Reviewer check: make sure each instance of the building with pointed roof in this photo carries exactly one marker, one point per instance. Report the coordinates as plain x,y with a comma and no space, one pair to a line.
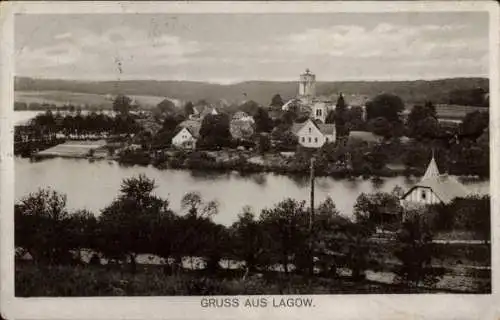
312,135
435,188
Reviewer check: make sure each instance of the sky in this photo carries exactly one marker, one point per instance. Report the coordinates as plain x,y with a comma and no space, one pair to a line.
229,48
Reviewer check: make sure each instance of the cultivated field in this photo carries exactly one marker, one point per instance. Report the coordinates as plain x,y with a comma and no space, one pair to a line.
449,111
60,98
72,149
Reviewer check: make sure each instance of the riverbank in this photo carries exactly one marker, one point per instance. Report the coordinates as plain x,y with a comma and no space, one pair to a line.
246,162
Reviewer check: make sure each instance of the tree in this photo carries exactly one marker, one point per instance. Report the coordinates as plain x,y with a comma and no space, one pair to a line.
163,137
166,106
40,220
416,251
194,204
82,228
249,107
381,126
385,105
262,121
128,223
286,224
284,138
355,119
249,240
277,101
468,97
472,213
330,117
214,132
422,121
122,104
188,109
326,236
198,235
341,117
264,143
474,124
378,209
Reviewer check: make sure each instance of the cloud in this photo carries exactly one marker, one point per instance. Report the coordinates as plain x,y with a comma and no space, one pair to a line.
384,40
62,36
133,48
343,51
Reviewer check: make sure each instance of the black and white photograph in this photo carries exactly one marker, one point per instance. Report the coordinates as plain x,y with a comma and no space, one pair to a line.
251,154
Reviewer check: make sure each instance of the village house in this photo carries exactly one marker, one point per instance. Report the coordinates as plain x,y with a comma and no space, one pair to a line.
312,135
434,188
201,111
187,134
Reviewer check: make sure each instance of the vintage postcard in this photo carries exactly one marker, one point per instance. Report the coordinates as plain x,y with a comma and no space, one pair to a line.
186,160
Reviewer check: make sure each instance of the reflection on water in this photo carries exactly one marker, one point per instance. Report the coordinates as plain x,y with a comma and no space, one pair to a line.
377,183
94,185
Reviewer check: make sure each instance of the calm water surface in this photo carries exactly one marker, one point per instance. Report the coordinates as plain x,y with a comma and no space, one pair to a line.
93,185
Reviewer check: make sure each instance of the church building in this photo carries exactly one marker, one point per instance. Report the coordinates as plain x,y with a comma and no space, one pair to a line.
308,101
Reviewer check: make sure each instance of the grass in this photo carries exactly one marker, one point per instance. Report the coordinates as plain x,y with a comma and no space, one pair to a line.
85,280
60,98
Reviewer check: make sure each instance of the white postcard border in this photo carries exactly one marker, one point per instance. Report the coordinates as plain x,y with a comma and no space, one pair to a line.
327,306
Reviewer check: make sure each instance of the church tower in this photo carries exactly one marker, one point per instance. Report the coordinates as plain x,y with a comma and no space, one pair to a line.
307,86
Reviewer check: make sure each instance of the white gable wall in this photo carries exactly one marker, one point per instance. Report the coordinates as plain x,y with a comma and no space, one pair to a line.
183,138
309,136
422,195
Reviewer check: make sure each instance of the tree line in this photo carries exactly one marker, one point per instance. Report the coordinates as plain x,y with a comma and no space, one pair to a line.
283,236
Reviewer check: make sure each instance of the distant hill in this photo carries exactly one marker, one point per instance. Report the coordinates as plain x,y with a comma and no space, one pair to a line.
438,91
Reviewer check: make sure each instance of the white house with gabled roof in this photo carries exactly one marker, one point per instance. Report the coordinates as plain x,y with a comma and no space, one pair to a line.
187,134
312,135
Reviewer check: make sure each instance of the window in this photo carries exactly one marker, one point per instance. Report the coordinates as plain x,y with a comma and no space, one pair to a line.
310,132
309,139
319,112
423,195
303,139
316,140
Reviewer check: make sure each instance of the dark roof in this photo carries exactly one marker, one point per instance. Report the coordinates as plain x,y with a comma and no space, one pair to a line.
326,128
296,127
193,127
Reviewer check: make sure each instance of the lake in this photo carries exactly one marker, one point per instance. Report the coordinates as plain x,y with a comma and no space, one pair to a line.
93,185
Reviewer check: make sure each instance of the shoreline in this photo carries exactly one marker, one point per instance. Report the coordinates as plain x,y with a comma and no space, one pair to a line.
256,169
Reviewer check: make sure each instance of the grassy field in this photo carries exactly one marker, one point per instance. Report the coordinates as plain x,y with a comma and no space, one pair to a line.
447,111
60,98
32,281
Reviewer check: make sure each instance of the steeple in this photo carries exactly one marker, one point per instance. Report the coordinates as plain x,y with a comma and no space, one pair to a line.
432,169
